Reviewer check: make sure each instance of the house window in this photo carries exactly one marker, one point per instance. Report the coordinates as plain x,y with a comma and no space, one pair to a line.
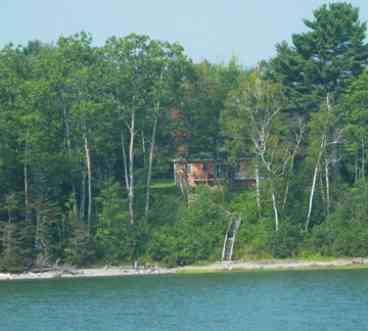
189,168
205,166
219,170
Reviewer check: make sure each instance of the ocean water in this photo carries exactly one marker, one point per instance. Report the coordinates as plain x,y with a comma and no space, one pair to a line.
255,301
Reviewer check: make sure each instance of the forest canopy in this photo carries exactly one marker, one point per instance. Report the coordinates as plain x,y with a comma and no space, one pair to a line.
88,139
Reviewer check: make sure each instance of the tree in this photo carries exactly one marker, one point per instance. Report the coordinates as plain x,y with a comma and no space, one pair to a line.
315,70
355,121
127,67
320,63
253,117
169,68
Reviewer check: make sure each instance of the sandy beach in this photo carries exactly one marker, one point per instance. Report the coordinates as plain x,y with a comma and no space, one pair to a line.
109,271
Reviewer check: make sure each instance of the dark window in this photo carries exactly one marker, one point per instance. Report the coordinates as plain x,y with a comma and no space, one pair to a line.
219,170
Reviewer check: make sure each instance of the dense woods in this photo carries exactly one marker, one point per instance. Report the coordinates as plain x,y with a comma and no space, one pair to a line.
87,139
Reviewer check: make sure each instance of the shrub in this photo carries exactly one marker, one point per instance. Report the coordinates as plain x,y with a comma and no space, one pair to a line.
197,234
286,241
345,232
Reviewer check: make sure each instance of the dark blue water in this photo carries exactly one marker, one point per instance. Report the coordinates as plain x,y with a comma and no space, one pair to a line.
259,301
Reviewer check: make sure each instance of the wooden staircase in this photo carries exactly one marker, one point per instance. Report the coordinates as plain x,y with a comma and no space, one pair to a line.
227,251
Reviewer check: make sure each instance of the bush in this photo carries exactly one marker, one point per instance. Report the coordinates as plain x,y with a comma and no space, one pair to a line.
162,246
198,233
336,238
286,241
115,237
345,232
251,240
80,250
17,253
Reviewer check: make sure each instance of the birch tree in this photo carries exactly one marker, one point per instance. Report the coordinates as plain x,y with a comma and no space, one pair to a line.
257,121
314,70
169,68
127,73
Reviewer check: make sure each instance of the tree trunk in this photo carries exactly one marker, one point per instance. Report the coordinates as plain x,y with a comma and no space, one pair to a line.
363,159
125,162
286,194
131,169
356,169
8,232
313,188
323,194
89,178
258,191
82,207
150,162
327,180
26,189
38,228
144,150
333,157
275,210
69,151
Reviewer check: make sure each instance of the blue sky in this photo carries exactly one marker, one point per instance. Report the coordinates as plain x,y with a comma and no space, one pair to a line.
211,29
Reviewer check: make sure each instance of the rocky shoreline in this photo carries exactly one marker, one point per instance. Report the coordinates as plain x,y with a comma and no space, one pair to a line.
85,273
108,271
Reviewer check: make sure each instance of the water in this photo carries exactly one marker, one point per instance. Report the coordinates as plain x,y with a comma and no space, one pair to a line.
259,301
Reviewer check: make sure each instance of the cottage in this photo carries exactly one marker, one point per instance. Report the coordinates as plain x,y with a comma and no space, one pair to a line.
196,171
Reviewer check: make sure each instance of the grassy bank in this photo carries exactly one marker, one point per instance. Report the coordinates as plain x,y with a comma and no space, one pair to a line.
278,265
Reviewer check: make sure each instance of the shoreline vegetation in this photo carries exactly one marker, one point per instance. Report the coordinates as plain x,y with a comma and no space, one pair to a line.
132,151
235,266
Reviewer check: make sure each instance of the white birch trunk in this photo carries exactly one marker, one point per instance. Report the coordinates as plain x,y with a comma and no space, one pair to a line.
131,169
150,162
323,194
258,190
125,162
313,188
89,181
275,210
327,180
82,207
144,150
363,159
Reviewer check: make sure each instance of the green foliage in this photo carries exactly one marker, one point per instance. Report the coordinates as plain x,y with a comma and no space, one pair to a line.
80,125
252,240
114,235
344,233
80,249
324,59
17,247
165,204
244,204
355,115
257,238
286,241
185,246
162,246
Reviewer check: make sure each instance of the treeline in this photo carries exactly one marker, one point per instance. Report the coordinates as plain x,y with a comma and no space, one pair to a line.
87,139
